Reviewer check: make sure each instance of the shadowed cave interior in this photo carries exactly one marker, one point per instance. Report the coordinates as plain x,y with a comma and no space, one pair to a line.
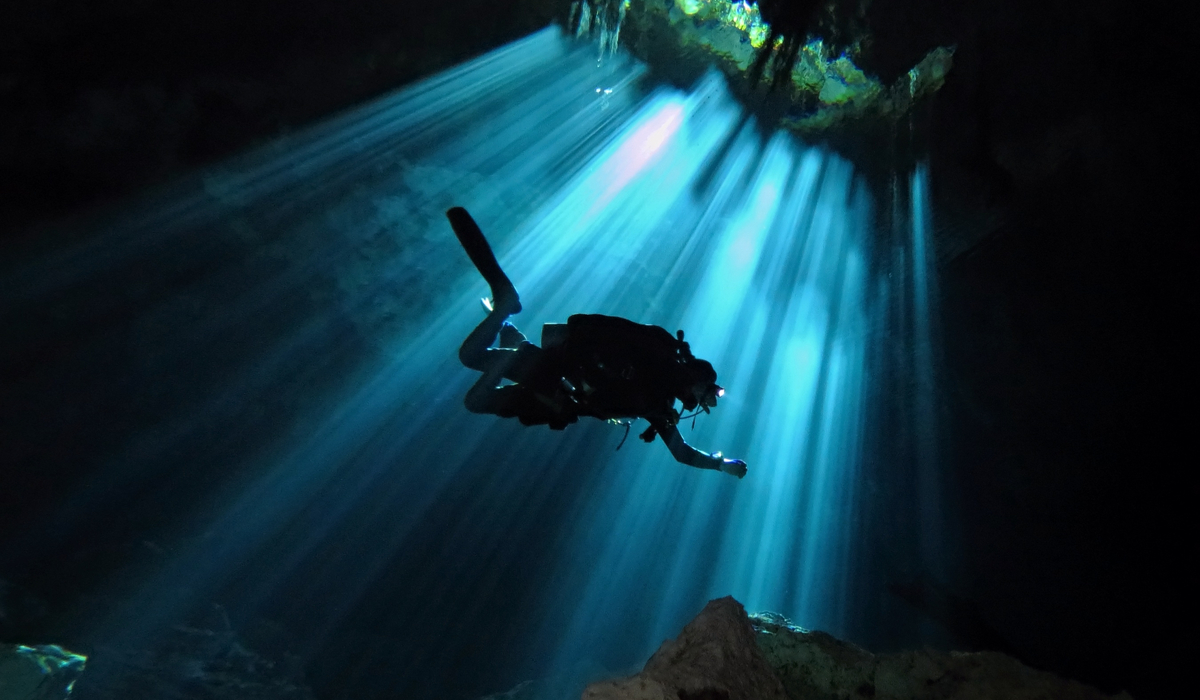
950,329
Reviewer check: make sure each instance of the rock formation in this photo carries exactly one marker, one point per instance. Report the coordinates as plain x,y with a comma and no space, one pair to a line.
724,654
189,662
714,658
45,672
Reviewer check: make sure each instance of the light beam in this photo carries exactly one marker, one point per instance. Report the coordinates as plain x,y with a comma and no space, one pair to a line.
666,208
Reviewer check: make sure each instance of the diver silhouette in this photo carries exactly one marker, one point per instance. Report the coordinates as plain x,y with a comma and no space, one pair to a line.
604,367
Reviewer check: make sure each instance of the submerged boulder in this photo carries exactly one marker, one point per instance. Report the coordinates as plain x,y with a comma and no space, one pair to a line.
817,666
725,654
207,661
45,672
714,658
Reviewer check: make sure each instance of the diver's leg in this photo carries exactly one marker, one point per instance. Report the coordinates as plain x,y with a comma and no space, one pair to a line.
485,395
475,351
510,337
517,401
504,294
526,399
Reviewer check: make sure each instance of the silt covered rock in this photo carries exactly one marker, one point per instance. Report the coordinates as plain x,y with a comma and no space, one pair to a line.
714,658
724,654
44,672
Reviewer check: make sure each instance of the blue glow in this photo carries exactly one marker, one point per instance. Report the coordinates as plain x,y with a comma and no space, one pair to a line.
924,409
599,200
52,659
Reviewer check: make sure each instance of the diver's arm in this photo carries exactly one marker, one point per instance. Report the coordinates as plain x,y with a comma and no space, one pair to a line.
686,454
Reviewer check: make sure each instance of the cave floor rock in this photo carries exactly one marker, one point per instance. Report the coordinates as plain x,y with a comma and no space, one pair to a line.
725,654
714,658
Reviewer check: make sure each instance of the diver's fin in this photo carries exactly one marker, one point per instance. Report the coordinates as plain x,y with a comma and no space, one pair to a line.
504,294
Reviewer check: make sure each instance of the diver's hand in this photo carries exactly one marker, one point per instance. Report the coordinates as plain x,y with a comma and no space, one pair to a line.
735,467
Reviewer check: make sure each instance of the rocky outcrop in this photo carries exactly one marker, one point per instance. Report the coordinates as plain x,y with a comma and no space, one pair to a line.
726,655
187,662
817,666
714,658
46,672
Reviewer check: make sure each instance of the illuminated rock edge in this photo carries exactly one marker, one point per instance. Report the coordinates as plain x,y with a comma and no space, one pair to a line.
725,654
824,92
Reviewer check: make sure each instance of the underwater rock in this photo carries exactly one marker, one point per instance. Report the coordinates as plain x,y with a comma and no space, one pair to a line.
725,654
817,666
46,672
714,658
189,662
822,91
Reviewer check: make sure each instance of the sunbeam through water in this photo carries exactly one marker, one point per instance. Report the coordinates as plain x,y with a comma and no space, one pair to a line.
667,208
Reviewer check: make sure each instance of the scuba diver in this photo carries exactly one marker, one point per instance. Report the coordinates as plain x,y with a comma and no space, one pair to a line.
600,366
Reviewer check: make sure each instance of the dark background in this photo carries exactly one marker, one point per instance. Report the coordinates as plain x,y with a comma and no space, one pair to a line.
1059,154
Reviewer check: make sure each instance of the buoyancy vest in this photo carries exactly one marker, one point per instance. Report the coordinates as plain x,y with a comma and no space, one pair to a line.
623,368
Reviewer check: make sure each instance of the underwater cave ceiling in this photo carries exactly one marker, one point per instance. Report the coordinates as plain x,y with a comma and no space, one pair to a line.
103,104
804,74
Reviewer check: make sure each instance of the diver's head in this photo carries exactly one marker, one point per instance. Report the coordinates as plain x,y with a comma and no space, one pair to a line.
706,395
702,391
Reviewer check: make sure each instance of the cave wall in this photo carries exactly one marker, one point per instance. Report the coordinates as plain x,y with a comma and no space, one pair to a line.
1058,161
101,99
